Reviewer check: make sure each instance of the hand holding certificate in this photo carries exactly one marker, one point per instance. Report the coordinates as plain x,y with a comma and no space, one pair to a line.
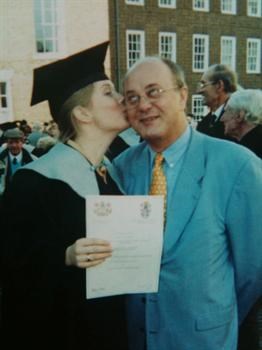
134,227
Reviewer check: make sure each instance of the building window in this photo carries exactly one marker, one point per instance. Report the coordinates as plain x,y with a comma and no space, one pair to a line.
135,44
253,56
49,27
167,3
135,2
201,5
254,8
228,51
167,45
229,7
5,96
198,109
200,52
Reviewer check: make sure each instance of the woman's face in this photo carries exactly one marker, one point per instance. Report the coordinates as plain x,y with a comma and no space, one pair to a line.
107,108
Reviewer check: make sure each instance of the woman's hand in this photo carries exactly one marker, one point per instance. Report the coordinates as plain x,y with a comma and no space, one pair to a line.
87,252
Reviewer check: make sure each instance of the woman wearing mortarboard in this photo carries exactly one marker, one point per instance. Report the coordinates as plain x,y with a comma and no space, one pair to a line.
46,252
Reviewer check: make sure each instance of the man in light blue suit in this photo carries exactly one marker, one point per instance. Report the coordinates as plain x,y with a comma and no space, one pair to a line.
211,270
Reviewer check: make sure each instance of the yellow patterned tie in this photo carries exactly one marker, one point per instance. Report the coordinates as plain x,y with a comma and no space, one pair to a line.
158,184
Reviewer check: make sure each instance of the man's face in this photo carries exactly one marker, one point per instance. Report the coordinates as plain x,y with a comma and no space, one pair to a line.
231,121
155,118
208,89
14,146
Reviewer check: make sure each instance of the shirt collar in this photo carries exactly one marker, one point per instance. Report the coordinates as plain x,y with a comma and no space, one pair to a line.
18,157
218,111
175,150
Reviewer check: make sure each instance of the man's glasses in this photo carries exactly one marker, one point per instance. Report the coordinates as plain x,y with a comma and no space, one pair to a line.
152,94
202,85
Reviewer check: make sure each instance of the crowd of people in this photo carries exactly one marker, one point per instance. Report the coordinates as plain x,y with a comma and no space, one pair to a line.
210,281
20,144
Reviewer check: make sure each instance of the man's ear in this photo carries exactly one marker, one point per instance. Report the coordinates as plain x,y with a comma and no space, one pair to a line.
82,114
184,96
241,116
220,85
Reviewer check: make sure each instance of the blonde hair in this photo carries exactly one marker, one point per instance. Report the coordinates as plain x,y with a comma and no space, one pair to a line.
66,121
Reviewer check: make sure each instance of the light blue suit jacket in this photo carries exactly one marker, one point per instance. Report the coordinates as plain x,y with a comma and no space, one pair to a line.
211,270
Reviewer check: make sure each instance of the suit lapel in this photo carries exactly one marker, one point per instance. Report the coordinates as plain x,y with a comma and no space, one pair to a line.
188,187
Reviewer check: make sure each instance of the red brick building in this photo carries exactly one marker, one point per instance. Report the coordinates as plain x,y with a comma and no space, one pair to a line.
194,33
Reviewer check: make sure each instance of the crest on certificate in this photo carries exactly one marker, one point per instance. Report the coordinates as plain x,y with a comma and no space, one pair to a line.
102,208
145,209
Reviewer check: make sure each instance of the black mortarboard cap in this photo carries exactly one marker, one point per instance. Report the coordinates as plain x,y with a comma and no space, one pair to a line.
57,81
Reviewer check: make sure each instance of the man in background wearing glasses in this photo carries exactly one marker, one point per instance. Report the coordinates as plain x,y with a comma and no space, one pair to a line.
216,86
211,263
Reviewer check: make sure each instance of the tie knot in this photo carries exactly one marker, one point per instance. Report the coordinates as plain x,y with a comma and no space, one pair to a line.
14,161
213,118
159,159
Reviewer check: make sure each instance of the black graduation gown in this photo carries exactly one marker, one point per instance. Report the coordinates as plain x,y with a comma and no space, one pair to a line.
117,146
209,127
253,140
213,128
44,305
250,330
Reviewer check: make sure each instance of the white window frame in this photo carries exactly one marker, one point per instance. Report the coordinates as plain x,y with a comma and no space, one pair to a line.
172,37
256,57
204,54
197,107
141,53
203,6
171,5
6,113
135,2
225,57
57,27
258,5
232,4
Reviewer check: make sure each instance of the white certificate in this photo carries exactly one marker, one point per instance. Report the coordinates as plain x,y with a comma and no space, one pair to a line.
134,227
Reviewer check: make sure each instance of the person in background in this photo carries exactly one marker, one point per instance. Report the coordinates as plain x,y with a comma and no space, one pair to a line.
43,145
36,133
45,252
13,156
3,127
25,127
243,119
52,129
216,86
211,262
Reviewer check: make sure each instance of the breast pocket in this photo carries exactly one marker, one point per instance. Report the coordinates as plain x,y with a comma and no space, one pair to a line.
215,319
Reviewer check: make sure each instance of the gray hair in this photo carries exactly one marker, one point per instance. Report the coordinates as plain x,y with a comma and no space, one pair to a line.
37,126
223,72
249,101
46,142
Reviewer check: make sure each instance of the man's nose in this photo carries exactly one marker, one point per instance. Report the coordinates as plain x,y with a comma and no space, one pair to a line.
144,103
199,90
